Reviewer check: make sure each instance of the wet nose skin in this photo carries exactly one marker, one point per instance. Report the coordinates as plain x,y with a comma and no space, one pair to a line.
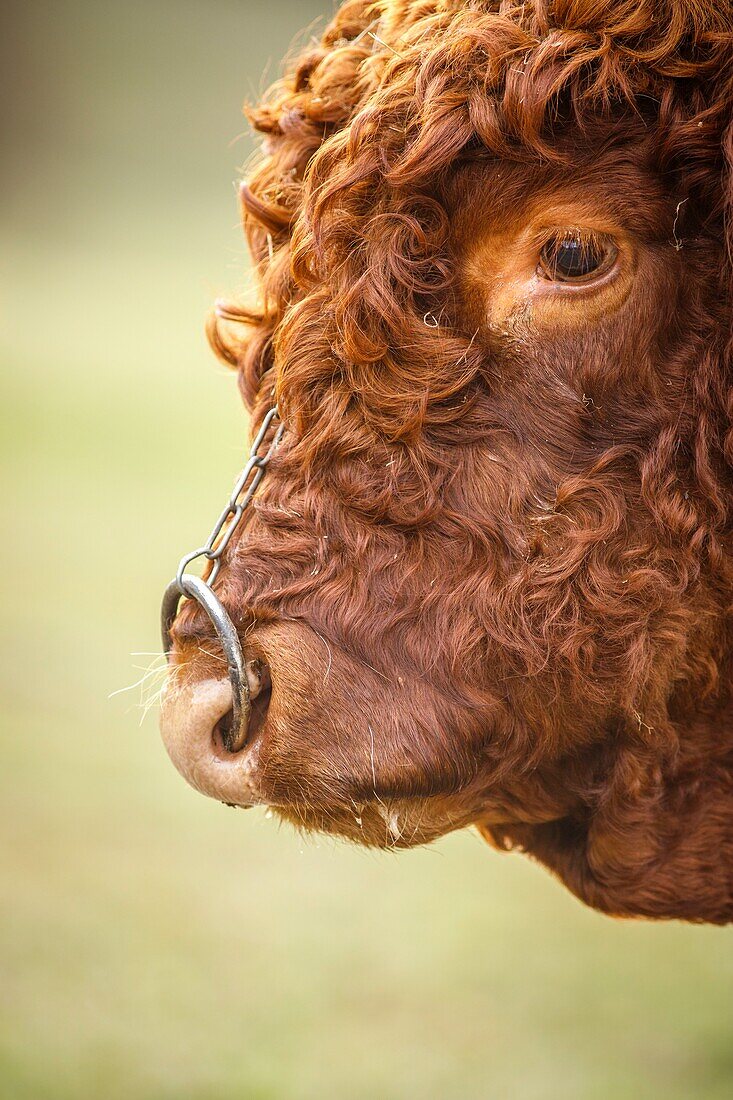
190,715
300,688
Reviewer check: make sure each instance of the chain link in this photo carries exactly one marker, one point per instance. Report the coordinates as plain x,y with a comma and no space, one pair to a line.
242,495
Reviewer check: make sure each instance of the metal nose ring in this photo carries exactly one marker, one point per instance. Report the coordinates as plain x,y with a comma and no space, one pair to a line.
196,589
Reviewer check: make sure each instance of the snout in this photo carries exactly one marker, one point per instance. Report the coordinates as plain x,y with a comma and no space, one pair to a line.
284,665
306,733
196,719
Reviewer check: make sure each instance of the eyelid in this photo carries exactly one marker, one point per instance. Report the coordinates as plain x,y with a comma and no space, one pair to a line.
594,241
551,233
589,239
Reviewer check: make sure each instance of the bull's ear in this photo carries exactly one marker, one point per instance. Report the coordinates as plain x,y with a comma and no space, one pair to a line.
656,847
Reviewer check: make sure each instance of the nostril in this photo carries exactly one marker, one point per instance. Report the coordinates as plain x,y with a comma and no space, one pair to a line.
261,695
260,686
223,731
260,707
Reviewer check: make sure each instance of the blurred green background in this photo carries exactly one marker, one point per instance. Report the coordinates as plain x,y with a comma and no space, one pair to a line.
153,944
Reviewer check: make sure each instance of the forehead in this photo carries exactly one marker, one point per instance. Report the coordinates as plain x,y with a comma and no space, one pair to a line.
608,190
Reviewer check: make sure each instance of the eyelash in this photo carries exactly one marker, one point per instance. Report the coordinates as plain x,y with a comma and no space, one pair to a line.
576,256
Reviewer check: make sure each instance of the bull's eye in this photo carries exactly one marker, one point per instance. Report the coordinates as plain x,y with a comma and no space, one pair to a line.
574,256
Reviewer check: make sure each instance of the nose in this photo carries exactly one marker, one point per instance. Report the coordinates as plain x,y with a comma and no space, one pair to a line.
196,726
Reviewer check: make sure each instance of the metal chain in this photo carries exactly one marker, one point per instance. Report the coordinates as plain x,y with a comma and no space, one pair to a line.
245,489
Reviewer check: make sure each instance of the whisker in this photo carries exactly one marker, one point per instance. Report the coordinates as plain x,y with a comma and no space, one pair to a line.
147,674
152,682
214,656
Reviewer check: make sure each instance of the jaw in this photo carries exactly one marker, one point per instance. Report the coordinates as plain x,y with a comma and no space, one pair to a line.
338,747
334,751
315,797
395,824
339,806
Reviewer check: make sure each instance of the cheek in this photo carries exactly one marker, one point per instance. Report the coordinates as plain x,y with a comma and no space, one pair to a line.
595,335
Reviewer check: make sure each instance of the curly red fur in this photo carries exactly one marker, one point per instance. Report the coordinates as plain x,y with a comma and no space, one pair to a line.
532,528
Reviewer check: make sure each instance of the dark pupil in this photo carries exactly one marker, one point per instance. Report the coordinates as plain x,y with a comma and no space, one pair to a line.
573,258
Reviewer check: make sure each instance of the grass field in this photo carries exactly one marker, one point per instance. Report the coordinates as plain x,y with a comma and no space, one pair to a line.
154,945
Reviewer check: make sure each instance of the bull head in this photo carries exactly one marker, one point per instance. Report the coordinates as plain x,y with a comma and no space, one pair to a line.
488,578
